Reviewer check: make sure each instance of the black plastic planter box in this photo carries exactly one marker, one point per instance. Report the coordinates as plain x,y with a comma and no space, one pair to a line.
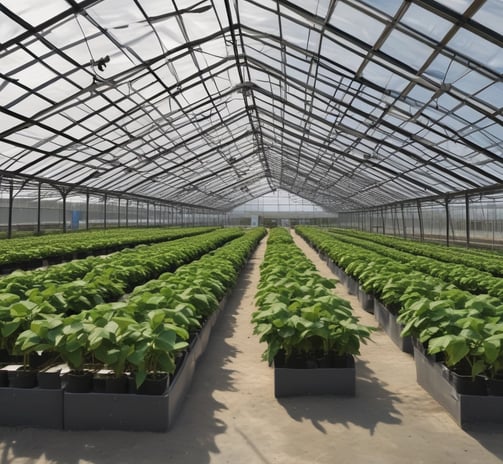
129,411
31,407
464,409
318,381
352,285
341,275
389,324
134,412
366,300
204,334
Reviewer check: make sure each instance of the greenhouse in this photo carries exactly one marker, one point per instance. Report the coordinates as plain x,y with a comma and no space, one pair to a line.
251,231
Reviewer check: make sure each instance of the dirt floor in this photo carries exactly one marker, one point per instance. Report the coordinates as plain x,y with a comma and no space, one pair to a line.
231,415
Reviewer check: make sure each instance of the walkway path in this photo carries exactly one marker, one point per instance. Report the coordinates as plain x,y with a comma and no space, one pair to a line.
231,415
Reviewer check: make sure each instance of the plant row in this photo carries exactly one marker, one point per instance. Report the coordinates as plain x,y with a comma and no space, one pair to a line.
107,281
463,276
118,267
298,314
466,329
146,332
480,259
29,249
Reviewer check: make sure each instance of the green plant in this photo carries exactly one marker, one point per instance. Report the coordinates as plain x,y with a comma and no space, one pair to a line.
154,345
297,311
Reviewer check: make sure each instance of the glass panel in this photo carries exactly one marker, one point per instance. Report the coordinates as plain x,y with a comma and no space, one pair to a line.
426,22
478,49
351,20
406,49
490,14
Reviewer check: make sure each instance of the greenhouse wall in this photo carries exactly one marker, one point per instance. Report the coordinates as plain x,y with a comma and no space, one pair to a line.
30,209
466,220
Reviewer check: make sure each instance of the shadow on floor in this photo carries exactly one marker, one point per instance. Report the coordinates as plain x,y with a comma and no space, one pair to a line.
490,436
372,405
190,440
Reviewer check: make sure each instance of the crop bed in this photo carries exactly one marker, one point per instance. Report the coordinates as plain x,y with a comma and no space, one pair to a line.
162,327
456,328
307,328
30,252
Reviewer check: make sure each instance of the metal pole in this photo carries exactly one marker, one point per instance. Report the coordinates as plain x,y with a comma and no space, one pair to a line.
148,214
403,221
393,220
105,211
11,205
39,210
137,212
127,213
119,213
447,221
420,219
63,194
87,210
467,219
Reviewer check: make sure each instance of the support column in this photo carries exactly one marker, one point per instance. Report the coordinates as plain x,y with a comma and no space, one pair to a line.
137,212
64,194
420,219
11,206
127,212
148,214
447,221
105,211
39,211
467,219
119,213
403,221
87,210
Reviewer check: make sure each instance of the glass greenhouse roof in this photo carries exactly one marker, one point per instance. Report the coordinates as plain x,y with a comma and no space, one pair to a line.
346,103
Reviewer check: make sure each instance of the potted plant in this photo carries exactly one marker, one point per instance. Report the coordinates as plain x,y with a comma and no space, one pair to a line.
155,343
304,324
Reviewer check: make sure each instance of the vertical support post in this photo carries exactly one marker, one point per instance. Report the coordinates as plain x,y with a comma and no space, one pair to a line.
467,219
383,221
39,209
119,213
420,219
105,211
137,212
148,214
413,223
403,221
63,195
494,224
87,210
447,234
127,212
11,207
393,219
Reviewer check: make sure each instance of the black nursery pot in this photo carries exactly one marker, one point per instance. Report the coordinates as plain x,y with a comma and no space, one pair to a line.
79,382
154,385
467,385
23,378
495,386
333,360
117,384
49,380
4,378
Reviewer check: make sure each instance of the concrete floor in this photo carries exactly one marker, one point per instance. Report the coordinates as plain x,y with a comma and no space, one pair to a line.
231,416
